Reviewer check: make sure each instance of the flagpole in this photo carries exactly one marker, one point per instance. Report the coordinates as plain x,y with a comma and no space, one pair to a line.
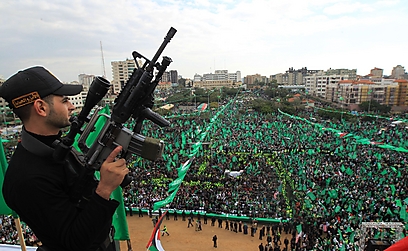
369,102
20,234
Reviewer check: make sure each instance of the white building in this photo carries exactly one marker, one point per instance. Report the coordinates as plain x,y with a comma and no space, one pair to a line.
79,99
221,75
315,84
85,80
197,77
235,76
121,72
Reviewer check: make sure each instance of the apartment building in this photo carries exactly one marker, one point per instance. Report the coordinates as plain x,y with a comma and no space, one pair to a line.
256,78
86,80
220,75
217,84
315,84
78,100
398,72
173,76
351,73
350,93
170,76
235,76
402,95
121,72
376,73
165,77
292,76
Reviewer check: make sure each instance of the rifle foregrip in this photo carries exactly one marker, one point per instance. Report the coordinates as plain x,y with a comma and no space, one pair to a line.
155,117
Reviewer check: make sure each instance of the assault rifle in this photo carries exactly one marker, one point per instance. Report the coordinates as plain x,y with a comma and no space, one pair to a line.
136,100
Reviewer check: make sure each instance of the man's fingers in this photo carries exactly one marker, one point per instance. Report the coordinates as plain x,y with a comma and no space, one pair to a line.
120,162
113,154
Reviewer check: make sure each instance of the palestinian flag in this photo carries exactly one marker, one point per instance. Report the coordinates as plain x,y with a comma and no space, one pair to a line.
154,242
342,134
202,107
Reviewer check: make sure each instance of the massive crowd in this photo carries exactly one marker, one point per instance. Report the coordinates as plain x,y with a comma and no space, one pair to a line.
324,177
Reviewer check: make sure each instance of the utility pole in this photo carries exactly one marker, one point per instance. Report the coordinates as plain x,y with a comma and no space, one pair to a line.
369,102
103,61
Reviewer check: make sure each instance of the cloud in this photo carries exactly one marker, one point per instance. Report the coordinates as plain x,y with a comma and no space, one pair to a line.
252,36
347,7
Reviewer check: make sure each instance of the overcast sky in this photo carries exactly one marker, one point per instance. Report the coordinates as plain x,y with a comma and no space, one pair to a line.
251,36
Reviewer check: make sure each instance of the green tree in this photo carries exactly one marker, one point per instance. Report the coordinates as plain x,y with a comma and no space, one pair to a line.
374,106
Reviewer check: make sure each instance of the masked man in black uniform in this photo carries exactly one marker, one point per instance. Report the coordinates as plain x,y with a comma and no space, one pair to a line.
38,187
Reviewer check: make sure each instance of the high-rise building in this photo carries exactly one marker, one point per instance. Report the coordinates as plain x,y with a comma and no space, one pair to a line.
170,77
85,80
173,76
165,77
121,72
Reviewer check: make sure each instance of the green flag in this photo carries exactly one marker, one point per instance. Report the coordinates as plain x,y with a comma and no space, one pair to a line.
403,213
4,209
337,209
311,196
393,189
352,237
119,218
98,127
299,228
308,204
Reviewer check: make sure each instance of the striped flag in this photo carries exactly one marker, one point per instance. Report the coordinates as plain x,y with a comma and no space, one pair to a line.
154,243
202,107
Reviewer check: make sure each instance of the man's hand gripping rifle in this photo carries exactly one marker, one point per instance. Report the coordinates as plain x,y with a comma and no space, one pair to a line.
135,100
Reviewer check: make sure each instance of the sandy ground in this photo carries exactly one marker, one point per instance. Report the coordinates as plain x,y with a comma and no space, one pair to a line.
183,238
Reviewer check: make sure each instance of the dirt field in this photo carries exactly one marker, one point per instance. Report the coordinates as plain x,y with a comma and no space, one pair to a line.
183,238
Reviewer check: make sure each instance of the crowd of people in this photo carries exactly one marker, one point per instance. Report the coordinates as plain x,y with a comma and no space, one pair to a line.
9,233
324,177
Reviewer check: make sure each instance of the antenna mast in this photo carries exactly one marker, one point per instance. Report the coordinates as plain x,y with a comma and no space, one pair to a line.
103,61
